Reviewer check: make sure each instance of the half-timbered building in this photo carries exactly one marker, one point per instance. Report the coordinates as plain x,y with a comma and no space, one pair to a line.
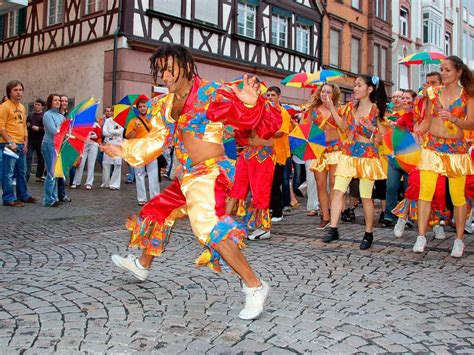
101,48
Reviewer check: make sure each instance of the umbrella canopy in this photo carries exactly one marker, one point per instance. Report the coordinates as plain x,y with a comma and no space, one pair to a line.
70,141
326,75
300,80
423,58
126,109
311,80
404,151
307,141
292,109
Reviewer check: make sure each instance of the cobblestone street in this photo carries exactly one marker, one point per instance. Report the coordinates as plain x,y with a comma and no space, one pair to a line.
60,292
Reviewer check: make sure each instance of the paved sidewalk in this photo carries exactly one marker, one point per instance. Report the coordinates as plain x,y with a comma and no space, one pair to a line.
59,291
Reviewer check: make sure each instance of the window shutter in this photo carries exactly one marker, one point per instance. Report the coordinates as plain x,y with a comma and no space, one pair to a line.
281,12
22,21
304,21
250,2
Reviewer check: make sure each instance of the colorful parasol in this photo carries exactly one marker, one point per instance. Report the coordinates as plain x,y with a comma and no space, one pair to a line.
239,81
300,80
126,110
311,80
70,141
326,75
423,58
403,151
307,141
293,110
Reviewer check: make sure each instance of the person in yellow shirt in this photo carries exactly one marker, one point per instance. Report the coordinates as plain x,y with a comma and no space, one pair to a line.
14,146
139,128
281,146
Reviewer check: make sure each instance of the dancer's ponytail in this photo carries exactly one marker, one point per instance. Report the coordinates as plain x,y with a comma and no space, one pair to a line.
378,94
467,78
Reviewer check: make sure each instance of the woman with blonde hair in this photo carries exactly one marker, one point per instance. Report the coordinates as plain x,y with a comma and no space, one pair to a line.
319,112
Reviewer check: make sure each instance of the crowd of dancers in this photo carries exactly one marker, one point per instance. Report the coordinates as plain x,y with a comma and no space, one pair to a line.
214,194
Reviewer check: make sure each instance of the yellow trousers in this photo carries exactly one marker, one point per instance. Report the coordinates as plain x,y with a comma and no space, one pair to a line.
457,186
365,185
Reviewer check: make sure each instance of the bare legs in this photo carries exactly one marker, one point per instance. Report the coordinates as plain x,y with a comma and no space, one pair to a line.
368,204
234,257
323,195
336,207
325,198
231,254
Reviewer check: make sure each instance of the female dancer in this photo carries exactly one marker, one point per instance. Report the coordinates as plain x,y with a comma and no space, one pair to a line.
360,157
445,152
319,113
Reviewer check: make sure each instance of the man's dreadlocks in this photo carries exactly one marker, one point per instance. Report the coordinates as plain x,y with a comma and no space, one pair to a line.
176,52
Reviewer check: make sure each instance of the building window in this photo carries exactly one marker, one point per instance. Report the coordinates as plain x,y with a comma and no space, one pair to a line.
355,55
403,22
207,11
55,12
302,38
464,46
279,30
404,82
376,60
170,7
381,9
356,4
471,48
383,63
13,18
431,29
93,6
447,44
246,20
335,40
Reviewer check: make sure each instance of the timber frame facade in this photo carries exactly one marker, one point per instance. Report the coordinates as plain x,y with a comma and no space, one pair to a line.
221,41
280,37
36,34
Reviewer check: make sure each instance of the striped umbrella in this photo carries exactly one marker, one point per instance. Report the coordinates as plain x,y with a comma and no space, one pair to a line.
423,58
72,136
311,80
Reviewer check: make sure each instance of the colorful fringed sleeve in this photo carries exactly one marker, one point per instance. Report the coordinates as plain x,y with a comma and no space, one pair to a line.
140,151
263,117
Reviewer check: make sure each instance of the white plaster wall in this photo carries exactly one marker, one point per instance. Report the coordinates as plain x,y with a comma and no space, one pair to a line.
76,72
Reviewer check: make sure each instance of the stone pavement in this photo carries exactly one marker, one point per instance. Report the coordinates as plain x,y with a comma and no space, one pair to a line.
59,291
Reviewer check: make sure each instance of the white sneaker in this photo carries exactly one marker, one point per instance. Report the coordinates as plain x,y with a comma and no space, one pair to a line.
420,244
439,232
254,301
73,186
277,219
131,263
399,227
259,234
458,248
468,226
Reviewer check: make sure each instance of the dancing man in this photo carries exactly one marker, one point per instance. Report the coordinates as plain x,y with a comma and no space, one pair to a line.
192,118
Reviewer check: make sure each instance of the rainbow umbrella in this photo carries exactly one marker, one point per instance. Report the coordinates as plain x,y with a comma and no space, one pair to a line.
326,75
307,141
70,141
300,80
423,58
292,109
403,151
239,81
126,110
